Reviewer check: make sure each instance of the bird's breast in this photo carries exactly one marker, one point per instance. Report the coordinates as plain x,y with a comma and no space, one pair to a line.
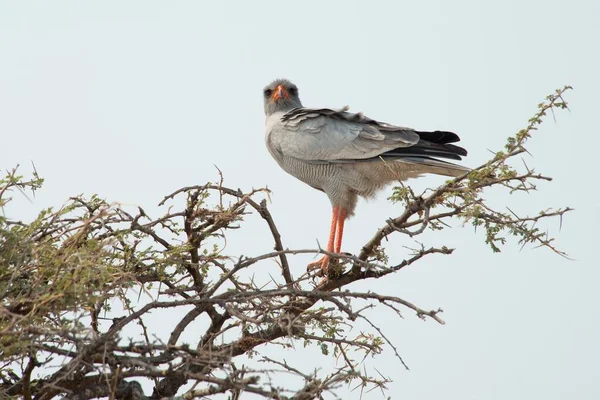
313,174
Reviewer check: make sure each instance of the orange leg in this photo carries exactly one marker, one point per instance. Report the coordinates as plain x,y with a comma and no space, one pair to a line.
324,261
334,224
340,231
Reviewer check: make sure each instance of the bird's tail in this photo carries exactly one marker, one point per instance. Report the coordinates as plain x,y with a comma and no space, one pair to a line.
434,166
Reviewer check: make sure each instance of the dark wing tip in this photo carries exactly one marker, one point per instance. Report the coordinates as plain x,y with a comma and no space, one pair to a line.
456,149
454,153
432,144
440,140
439,137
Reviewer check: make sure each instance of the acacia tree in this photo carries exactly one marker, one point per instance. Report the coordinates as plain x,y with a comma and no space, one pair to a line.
79,284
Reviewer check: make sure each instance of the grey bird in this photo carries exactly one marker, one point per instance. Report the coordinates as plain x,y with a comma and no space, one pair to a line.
347,155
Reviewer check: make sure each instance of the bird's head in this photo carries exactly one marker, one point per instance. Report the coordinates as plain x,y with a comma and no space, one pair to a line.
280,95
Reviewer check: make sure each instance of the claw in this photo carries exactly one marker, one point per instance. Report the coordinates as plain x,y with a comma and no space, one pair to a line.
322,263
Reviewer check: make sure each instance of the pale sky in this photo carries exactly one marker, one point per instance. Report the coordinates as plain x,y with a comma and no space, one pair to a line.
134,99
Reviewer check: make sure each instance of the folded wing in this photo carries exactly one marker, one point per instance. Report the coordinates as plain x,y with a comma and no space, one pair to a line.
338,136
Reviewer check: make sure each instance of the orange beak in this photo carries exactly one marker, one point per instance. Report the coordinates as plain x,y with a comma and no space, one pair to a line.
279,93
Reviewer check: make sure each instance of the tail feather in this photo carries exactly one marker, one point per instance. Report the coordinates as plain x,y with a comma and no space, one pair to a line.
434,166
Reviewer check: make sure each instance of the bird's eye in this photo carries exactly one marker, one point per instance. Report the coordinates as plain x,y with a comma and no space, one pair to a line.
268,92
293,90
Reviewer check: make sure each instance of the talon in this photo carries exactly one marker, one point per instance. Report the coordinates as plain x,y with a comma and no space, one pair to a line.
322,263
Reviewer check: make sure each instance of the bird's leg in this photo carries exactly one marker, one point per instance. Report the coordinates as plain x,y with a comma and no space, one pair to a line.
323,262
340,230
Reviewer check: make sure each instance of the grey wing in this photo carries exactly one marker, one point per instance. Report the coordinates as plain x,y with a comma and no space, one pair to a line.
330,136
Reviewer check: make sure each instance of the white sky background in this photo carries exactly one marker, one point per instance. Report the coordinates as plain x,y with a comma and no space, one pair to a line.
132,100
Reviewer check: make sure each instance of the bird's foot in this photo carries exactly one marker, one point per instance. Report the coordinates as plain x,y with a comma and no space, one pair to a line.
322,263
328,267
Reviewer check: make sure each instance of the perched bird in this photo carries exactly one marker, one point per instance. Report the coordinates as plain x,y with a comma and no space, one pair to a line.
347,155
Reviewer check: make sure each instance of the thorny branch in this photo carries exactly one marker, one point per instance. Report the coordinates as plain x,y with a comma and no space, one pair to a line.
84,285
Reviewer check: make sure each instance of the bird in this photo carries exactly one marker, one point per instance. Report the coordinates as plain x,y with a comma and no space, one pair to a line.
348,155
